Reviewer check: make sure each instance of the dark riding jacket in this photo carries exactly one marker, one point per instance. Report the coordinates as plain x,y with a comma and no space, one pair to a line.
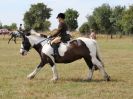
62,32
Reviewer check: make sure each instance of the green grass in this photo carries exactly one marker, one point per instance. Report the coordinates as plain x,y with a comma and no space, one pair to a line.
117,55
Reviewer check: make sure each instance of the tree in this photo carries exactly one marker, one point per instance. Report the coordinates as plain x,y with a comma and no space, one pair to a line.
0,25
85,28
37,17
13,26
116,19
5,27
92,23
71,19
102,15
127,20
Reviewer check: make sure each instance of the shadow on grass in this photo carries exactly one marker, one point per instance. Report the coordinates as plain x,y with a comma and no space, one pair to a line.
81,80
85,80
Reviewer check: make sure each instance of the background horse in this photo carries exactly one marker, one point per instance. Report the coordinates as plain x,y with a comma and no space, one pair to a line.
14,36
4,32
76,49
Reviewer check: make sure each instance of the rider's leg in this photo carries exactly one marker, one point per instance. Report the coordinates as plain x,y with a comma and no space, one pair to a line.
55,45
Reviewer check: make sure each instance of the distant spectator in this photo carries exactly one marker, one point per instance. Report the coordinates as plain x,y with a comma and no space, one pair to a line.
92,35
20,28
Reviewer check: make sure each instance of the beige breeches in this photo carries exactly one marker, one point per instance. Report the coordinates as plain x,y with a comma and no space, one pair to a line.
56,40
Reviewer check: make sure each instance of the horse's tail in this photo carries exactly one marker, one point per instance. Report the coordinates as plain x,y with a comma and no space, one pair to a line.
98,54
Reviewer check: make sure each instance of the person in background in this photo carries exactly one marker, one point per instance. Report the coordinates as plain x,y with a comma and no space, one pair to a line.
92,35
20,28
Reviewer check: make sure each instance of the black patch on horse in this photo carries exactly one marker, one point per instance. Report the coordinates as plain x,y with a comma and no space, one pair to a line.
26,44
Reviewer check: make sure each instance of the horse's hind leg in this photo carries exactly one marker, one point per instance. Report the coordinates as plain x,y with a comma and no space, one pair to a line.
91,68
10,39
96,62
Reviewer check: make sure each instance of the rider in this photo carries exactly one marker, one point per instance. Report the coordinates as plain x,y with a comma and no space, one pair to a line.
60,35
20,30
20,27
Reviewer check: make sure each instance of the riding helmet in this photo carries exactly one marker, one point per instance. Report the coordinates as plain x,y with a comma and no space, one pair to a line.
61,15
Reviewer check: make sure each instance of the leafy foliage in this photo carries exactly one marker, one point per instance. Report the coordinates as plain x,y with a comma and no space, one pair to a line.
102,15
13,26
127,20
85,28
0,25
117,20
92,23
37,17
71,19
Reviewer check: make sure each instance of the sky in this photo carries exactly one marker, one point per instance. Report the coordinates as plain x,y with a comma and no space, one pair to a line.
12,11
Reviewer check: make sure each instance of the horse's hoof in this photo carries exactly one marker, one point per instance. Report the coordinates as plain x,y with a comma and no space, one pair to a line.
30,77
54,79
108,78
89,79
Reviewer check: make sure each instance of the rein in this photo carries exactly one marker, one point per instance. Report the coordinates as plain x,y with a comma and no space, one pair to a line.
43,40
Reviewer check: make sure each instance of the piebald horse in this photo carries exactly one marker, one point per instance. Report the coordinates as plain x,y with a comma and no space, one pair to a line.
73,50
14,36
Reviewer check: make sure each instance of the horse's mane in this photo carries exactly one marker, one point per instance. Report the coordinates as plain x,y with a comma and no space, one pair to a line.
33,32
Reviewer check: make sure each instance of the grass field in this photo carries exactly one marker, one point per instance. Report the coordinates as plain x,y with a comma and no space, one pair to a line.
117,55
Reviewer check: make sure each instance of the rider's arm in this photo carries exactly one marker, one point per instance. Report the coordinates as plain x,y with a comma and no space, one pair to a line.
58,30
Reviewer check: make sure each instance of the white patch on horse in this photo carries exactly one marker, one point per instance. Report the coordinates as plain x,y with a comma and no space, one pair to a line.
55,74
48,50
31,75
92,46
34,40
63,48
21,50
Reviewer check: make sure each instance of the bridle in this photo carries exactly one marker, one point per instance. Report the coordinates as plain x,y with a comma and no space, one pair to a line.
48,39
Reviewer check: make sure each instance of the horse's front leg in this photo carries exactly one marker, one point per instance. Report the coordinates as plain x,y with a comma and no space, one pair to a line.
10,39
55,74
38,68
15,40
4,36
54,70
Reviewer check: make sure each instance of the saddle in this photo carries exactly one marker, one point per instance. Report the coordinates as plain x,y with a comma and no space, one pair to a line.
59,47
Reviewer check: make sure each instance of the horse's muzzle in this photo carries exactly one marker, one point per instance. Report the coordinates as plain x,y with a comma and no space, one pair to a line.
23,52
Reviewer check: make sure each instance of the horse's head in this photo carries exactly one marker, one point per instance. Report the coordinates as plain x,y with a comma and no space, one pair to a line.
29,41
25,45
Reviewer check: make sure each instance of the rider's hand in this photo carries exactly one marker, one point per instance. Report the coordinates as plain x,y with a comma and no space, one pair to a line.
50,36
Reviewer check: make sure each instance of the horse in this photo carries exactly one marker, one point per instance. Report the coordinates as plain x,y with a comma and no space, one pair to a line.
14,35
4,32
69,52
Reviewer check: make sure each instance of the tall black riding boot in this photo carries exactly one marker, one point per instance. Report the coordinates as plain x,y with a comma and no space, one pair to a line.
55,47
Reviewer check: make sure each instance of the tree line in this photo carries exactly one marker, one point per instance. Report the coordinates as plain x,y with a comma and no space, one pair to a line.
13,26
104,19
107,20
37,18
38,15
